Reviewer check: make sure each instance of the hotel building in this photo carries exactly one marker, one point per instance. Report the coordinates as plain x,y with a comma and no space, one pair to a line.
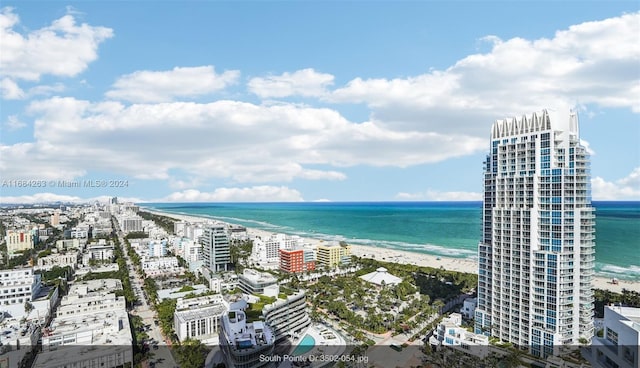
297,260
536,256
216,252
333,255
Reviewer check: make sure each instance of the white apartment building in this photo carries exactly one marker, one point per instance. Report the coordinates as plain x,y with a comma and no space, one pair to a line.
255,282
449,333
91,329
131,223
536,256
100,251
58,259
266,251
199,318
160,263
216,252
287,317
157,248
18,286
79,232
190,250
619,345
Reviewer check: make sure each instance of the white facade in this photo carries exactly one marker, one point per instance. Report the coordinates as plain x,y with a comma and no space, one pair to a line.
18,286
619,345
216,252
79,232
99,252
157,248
536,256
450,333
245,344
90,315
468,310
58,259
199,318
287,317
266,250
130,224
160,263
191,251
255,282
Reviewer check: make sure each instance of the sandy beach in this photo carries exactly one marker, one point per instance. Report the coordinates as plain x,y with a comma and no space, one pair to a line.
405,257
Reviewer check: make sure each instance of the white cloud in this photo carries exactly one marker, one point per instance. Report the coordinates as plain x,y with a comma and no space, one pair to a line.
589,63
627,188
9,90
61,49
248,194
305,82
13,123
435,195
164,86
240,141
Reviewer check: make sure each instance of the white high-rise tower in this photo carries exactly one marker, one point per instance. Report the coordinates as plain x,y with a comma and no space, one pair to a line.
536,256
216,251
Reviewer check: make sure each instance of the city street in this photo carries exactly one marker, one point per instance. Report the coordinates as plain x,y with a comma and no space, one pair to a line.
160,357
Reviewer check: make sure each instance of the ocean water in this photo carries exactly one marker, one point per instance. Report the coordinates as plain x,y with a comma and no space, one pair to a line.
449,229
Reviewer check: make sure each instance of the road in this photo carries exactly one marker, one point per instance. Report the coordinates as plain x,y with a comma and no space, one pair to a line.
161,357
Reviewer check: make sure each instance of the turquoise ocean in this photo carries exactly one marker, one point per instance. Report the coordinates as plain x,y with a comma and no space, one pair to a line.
449,229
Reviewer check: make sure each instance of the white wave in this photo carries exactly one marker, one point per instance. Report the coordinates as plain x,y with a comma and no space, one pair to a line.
633,269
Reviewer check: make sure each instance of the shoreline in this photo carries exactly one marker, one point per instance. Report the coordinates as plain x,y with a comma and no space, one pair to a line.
465,265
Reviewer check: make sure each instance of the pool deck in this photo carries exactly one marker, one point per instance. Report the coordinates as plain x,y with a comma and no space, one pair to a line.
328,342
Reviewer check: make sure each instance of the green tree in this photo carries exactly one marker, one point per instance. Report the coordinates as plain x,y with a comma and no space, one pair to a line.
191,354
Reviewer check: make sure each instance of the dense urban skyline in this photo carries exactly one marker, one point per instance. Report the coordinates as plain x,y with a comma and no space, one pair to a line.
217,101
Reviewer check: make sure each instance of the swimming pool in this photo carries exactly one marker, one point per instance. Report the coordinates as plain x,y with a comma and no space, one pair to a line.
306,344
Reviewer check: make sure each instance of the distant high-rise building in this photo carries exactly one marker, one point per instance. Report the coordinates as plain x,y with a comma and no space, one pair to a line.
55,218
216,252
536,256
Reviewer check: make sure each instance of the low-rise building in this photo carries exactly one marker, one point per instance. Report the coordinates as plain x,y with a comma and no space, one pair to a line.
91,328
451,334
68,244
18,285
381,277
58,259
254,282
199,317
619,345
100,251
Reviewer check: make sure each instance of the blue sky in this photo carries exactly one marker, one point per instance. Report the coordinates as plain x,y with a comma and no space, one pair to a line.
304,101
